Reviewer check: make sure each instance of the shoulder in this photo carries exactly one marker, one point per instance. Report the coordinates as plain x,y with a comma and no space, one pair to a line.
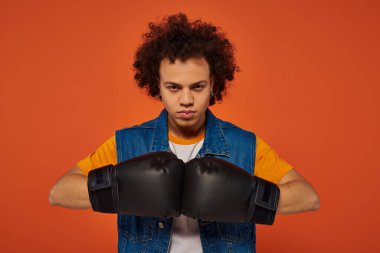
233,129
148,124
142,128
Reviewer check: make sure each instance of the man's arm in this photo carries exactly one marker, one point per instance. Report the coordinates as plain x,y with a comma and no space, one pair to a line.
71,190
297,195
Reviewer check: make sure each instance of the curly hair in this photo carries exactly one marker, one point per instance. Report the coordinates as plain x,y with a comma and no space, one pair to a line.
177,38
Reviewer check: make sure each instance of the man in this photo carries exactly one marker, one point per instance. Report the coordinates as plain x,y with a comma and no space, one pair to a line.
221,180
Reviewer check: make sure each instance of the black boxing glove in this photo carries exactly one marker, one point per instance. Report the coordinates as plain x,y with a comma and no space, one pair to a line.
216,190
147,185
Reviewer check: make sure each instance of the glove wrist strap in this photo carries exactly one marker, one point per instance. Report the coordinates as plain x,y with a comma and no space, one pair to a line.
100,189
264,202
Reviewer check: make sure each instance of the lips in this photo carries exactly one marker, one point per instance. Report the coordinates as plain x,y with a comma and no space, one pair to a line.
186,111
186,114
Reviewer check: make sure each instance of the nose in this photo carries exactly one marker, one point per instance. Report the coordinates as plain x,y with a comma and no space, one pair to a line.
186,97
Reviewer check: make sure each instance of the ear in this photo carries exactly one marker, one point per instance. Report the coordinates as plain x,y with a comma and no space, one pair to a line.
212,82
159,88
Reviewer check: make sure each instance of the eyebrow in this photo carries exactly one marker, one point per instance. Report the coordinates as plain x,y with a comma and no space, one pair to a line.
173,83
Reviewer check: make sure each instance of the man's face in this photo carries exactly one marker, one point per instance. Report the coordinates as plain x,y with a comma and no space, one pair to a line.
185,90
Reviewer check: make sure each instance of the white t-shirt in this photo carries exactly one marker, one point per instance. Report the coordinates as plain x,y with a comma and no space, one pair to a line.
185,230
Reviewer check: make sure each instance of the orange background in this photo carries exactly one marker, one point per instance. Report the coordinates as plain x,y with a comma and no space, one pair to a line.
309,86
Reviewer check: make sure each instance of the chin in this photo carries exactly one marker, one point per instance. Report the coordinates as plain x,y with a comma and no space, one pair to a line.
187,122
191,121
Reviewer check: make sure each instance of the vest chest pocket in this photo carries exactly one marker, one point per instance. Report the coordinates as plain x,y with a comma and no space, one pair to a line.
234,232
136,228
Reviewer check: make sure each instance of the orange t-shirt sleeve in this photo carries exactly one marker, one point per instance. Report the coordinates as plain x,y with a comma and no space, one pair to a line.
104,155
268,164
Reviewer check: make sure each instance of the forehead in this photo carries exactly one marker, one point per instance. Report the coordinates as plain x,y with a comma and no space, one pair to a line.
191,70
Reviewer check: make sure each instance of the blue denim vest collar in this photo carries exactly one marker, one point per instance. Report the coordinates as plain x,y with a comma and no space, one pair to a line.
223,140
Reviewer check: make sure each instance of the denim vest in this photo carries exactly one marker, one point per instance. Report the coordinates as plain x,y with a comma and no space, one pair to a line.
223,140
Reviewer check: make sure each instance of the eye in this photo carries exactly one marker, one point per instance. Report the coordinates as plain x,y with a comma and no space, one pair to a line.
173,87
198,87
